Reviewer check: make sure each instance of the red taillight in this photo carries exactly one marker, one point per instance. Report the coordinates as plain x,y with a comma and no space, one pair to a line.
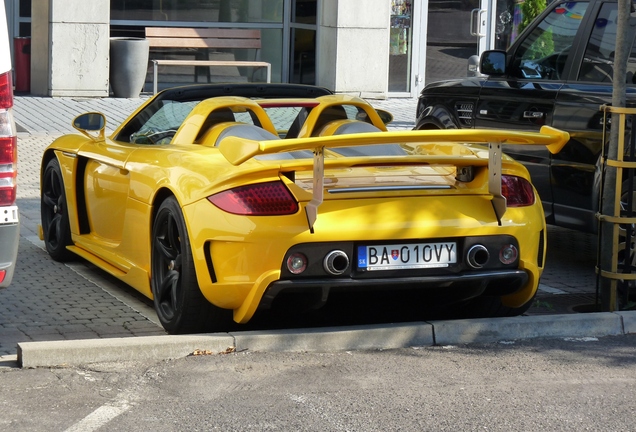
8,169
8,143
6,91
517,191
263,199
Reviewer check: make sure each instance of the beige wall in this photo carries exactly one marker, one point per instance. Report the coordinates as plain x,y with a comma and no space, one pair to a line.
353,47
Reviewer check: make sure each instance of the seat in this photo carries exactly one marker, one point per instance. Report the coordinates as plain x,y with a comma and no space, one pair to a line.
298,122
256,133
344,127
247,131
354,126
329,115
217,116
213,136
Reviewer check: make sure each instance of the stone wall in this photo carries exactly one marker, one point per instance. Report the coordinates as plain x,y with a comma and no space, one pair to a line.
70,48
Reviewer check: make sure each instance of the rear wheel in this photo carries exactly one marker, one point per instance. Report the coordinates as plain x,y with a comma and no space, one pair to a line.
178,301
54,213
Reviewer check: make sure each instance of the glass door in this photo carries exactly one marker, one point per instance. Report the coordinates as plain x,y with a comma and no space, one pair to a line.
449,40
406,66
399,46
496,23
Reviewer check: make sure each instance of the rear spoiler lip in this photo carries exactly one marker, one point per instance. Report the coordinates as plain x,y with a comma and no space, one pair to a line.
238,150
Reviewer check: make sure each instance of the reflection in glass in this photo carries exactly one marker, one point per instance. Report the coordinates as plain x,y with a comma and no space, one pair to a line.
246,11
303,56
400,46
90,122
598,60
304,11
449,42
544,52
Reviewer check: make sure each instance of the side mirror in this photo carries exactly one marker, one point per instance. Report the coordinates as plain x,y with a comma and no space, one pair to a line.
91,122
493,63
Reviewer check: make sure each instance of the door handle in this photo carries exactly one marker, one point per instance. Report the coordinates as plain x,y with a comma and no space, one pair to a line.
533,114
475,22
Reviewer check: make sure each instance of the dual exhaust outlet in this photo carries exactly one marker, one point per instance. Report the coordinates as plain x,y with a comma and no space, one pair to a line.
336,262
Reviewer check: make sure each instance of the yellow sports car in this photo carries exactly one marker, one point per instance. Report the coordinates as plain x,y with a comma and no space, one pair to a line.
214,200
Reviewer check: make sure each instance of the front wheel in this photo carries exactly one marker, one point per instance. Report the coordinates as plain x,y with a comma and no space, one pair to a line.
179,303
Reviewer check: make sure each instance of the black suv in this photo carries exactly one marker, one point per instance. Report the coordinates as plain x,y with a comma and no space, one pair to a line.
558,72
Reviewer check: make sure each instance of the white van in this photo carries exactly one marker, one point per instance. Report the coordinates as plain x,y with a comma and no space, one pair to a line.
9,221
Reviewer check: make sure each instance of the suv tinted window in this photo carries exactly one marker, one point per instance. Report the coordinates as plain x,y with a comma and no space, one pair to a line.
598,60
543,53
597,65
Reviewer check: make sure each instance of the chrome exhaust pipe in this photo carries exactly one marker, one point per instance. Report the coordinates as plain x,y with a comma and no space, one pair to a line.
478,256
336,262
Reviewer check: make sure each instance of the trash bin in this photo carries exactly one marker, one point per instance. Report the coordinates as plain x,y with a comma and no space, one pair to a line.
22,63
128,65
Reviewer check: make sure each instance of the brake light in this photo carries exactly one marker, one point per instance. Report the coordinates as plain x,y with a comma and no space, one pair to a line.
263,199
517,191
6,90
8,143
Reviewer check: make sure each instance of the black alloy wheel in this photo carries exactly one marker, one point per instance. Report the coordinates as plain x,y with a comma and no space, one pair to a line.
54,213
178,301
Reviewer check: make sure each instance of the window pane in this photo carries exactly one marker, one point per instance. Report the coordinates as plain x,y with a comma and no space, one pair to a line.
543,54
245,11
304,11
598,60
303,56
25,8
170,76
400,43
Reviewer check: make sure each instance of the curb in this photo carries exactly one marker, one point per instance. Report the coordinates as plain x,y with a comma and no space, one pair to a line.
333,339
541,326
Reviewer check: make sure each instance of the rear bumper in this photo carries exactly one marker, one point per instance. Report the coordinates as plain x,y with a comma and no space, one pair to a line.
459,287
9,239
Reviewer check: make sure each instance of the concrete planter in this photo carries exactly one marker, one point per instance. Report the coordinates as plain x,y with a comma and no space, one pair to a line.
128,66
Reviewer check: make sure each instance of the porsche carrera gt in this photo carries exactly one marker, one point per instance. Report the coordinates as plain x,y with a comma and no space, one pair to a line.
215,200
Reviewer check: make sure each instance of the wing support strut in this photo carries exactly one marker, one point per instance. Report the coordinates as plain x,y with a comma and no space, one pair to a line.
494,179
318,187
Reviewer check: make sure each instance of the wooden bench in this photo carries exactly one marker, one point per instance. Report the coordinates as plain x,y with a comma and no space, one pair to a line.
206,39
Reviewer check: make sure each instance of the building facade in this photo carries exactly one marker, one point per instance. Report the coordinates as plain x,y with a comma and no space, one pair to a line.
371,48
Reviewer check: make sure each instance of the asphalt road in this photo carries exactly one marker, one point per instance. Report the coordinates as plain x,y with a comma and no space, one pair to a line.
540,385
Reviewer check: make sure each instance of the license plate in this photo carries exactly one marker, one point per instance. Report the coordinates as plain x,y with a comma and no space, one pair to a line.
407,256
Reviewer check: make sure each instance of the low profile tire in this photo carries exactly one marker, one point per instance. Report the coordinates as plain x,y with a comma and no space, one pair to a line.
179,303
54,213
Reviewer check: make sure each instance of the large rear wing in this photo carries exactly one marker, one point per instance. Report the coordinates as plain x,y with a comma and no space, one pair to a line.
238,150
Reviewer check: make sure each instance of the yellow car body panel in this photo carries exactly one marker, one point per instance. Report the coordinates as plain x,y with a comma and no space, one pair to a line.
245,250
